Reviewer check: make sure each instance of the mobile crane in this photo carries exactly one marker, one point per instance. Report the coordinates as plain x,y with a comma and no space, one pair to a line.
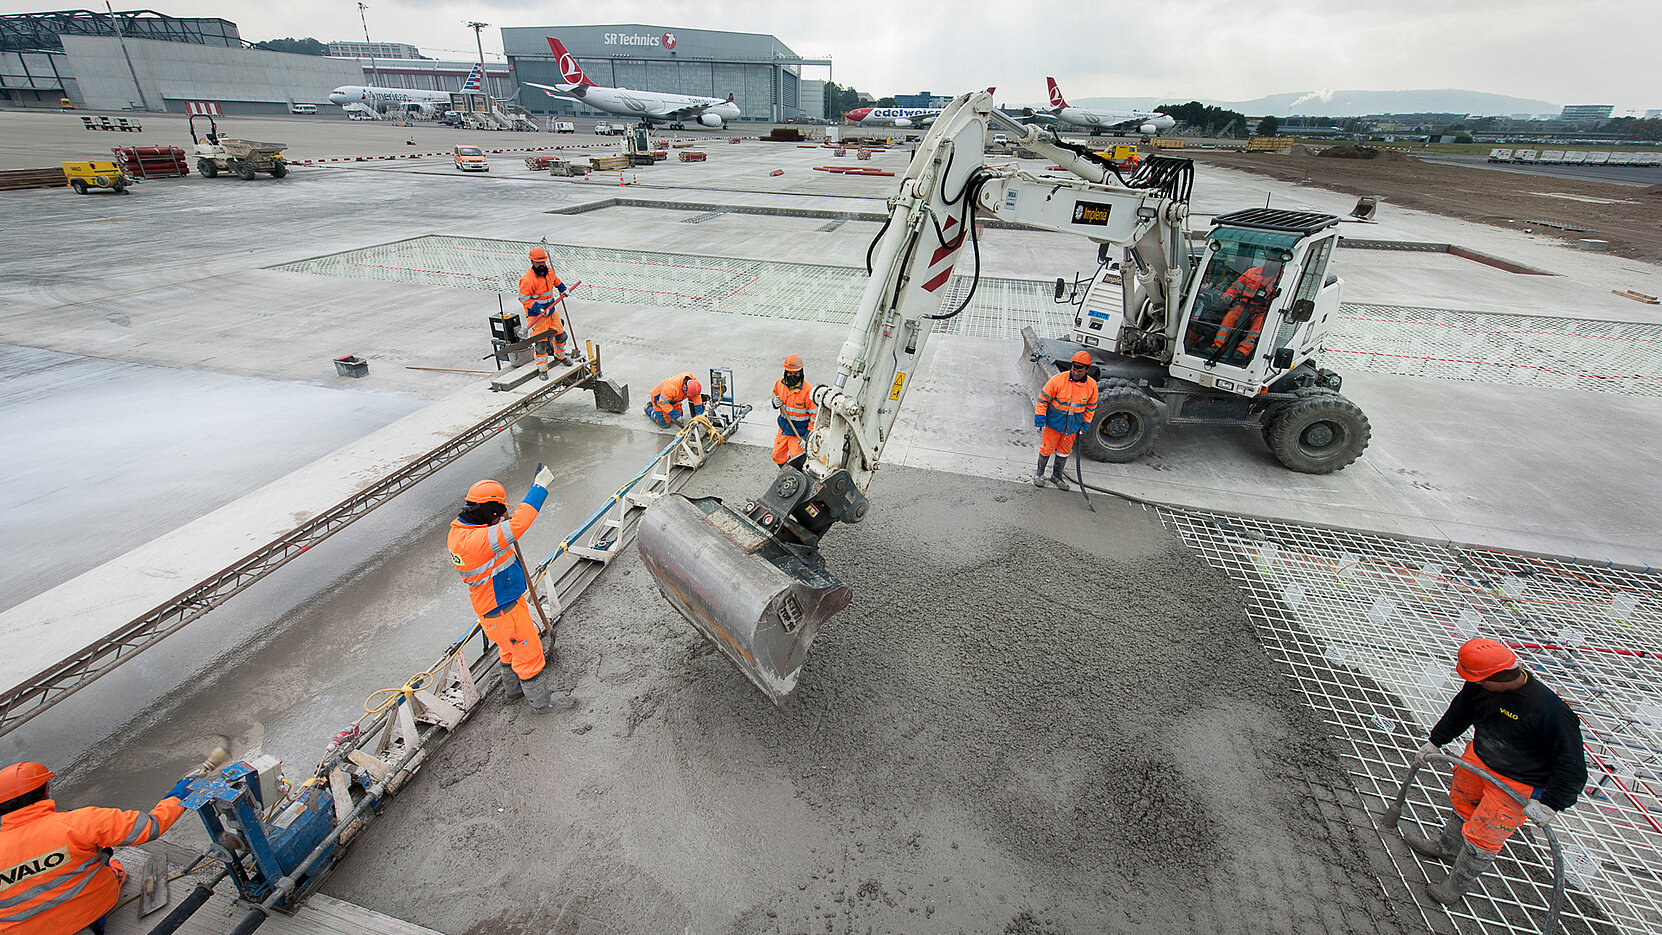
752,581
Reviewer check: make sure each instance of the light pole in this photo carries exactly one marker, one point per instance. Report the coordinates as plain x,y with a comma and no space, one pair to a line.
369,47
484,80
116,23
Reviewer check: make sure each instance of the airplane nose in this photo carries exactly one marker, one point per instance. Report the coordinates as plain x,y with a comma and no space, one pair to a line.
859,113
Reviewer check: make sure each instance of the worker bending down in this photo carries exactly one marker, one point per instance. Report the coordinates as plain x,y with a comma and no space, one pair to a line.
57,872
796,413
537,290
665,406
1527,736
1067,404
481,545
1250,296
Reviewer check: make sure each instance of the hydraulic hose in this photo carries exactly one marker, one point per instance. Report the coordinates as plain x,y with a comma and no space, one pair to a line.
188,907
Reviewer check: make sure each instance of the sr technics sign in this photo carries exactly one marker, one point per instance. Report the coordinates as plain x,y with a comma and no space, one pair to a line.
665,41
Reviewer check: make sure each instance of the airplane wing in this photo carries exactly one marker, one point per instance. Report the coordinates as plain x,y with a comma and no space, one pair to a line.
691,111
558,90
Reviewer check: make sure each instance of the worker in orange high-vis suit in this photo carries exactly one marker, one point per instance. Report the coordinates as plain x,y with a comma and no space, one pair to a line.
1066,405
481,545
537,292
796,413
1524,734
57,875
664,408
1250,296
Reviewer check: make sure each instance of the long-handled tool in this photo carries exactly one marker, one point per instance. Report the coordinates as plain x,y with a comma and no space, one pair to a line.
561,301
1080,477
531,590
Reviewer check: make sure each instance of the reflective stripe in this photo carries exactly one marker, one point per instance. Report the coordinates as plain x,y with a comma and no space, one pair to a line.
90,866
501,554
795,413
142,832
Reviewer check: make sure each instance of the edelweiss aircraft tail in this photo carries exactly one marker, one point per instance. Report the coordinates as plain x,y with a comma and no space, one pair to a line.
570,71
1056,98
475,79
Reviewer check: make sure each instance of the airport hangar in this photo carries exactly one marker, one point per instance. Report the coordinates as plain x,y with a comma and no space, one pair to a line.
763,74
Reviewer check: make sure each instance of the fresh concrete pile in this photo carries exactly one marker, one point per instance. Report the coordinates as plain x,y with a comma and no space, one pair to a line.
1034,718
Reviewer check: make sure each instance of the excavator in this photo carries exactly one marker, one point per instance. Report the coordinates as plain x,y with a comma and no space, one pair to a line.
752,580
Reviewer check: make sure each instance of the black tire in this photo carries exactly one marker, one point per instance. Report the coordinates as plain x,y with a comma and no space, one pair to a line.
244,171
279,170
120,188
1319,435
1127,423
80,186
207,168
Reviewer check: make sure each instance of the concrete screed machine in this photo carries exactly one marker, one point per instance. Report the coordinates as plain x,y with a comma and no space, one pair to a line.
752,581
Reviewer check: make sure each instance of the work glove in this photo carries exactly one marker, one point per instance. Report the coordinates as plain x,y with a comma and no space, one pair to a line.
777,402
545,477
179,791
1428,748
561,287
697,409
1538,813
1038,420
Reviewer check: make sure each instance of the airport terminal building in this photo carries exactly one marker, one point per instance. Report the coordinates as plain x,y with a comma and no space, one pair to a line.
763,74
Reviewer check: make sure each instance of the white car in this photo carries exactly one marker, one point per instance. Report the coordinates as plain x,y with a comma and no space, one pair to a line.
564,126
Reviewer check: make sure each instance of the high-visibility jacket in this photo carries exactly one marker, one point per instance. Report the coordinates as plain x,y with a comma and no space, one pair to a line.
537,293
667,396
1250,294
796,409
52,877
1067,406
484,556
1253,287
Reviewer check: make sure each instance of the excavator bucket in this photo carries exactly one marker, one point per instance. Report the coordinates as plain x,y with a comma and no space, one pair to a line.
760,601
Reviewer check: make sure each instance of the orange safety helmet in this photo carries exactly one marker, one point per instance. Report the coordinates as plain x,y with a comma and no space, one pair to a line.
1480,659
793,362
21,778
487,491
1082,357
539,255
693,387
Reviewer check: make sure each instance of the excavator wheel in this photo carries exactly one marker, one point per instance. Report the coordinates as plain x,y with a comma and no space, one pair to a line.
1127,423
244,171
1319,434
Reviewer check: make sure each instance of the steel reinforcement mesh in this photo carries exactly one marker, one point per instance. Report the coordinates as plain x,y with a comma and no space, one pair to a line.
1367,627
1565,353
1000,309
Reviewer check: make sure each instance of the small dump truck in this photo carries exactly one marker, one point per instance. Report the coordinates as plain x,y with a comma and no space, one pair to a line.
246,158
99,173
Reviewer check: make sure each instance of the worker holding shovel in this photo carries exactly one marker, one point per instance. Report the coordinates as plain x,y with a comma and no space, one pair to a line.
796,413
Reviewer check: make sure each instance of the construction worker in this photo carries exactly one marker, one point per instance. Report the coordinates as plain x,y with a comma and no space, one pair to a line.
665,406
1067,404
537,290
796,413
1249,295
1525,735
481,545
57,872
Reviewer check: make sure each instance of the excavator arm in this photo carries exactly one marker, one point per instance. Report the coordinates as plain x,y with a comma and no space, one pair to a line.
751,580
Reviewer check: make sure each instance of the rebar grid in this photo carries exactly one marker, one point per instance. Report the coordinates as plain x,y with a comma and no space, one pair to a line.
1482,347
1367,627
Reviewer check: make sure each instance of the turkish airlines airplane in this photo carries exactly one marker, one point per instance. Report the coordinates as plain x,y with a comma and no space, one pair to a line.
379,99
901,117
712,112
1146,122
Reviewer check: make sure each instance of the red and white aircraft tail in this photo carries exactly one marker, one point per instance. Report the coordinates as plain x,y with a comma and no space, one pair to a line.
1056,98
570,71
475,79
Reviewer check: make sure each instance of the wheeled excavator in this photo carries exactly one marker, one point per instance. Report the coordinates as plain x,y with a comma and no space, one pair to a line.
752,579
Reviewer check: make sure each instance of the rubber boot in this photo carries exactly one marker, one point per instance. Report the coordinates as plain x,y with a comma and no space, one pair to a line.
1056,478
1039,475
1444,846
511,692
536,692
1469,864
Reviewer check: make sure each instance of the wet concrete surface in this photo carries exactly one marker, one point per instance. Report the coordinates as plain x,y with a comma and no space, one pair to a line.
287,663
1033,718
119,452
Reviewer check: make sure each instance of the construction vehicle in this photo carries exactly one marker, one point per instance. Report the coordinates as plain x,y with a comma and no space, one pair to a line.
752,580
99,173
246,158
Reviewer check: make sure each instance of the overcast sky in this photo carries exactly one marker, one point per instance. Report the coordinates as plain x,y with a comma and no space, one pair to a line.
1582,52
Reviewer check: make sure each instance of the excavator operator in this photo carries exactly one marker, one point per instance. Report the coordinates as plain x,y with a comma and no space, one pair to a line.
1250,296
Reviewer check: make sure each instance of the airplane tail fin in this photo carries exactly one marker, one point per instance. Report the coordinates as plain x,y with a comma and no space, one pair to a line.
569,69
1056,98
729,97
475,79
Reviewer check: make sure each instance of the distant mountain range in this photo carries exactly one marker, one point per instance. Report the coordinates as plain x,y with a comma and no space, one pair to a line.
1354,103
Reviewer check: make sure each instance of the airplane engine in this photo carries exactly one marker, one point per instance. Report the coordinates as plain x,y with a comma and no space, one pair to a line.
712,121
1147,129
902,122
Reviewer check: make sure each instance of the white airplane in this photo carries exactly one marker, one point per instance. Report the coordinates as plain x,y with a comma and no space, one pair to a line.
648,106
901,117
1146,122
380,99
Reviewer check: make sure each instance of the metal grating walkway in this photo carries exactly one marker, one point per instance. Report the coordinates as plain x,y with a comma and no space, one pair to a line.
1561,353
1368,627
